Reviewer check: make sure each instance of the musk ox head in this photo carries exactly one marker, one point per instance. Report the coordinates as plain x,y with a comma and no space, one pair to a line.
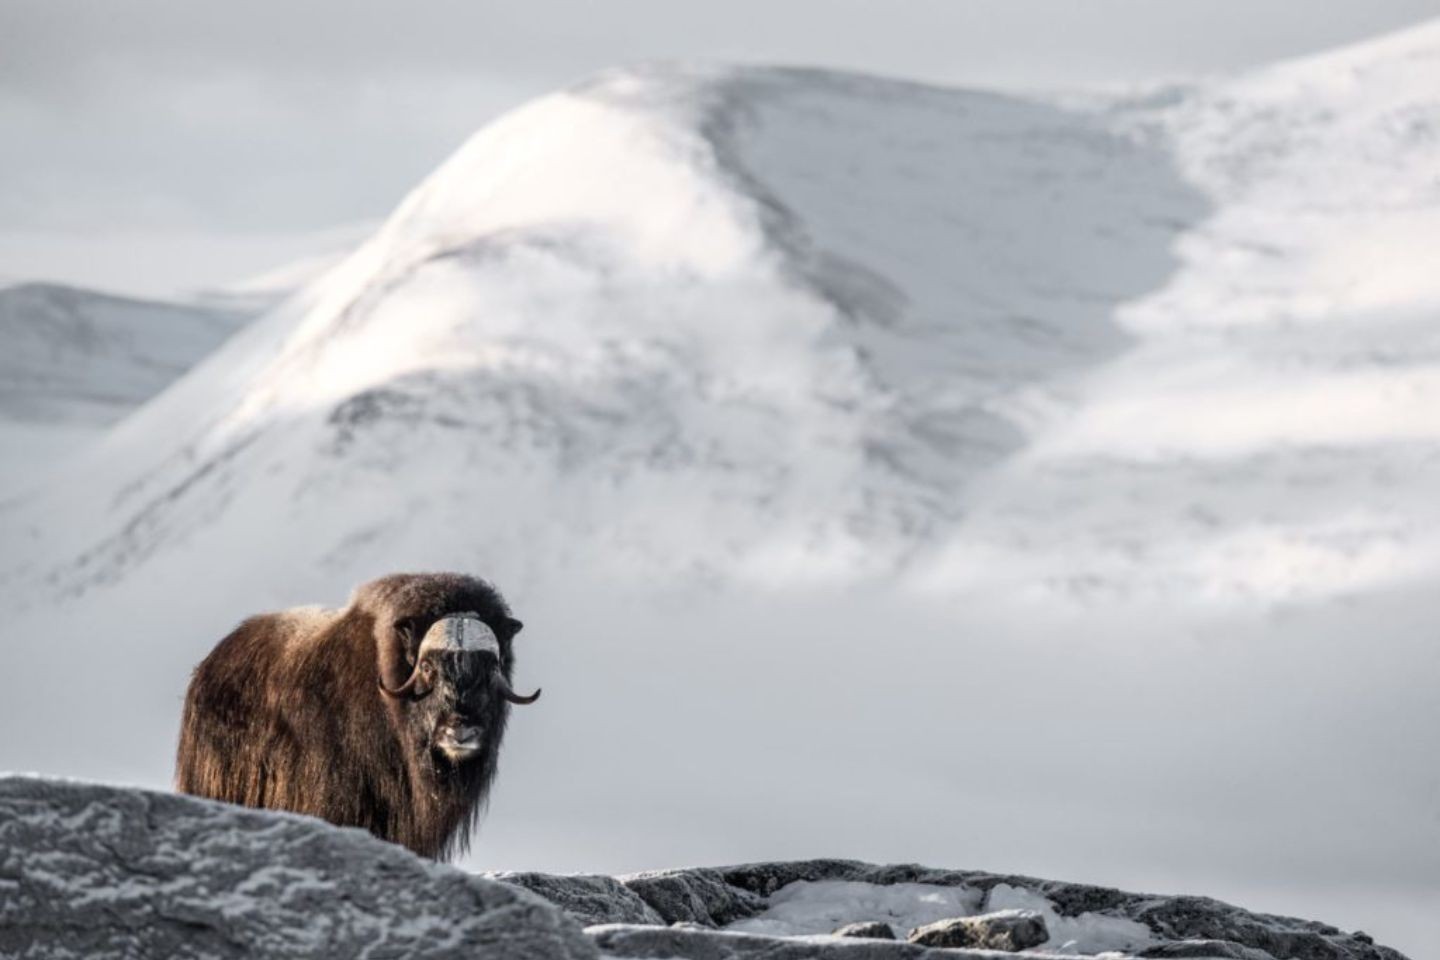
443,651
458,684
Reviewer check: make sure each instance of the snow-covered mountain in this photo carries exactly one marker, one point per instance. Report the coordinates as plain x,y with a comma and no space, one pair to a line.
76,361
1068,461
759,324
781,325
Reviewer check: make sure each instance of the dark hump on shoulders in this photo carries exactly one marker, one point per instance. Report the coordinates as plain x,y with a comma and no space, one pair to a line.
427,595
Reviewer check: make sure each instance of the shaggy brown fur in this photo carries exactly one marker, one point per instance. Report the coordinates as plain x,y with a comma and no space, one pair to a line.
287,713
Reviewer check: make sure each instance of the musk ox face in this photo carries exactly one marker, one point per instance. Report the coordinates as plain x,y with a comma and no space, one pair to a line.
456,697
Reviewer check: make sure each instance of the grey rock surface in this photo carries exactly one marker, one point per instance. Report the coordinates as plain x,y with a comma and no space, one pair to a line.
589,898
94,871
1203,950
1009,930
1169,918
871,929
1189,927
675,943
699,895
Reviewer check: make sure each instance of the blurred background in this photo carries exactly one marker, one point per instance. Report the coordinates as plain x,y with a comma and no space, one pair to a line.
992,435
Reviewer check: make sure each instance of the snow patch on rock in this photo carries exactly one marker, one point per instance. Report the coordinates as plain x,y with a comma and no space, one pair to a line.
806,907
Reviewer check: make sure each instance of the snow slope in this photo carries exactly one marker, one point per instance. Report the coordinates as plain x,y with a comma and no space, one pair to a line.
1272,432
600,305
1034,484
76,361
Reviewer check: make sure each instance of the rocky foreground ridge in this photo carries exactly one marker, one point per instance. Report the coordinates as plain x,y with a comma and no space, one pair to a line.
98,871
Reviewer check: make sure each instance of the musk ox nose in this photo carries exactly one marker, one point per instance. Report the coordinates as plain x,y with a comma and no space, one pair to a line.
458,739
461,733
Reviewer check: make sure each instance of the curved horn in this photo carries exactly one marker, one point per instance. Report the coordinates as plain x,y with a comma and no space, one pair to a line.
511,695
394,665
411,688
405,689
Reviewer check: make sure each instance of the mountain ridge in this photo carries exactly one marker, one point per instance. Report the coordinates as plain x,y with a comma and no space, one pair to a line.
888,379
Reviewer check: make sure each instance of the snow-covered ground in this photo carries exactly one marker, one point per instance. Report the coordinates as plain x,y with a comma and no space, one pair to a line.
807,908
914,474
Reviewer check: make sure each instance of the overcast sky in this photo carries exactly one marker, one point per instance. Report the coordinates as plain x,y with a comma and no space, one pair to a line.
153,146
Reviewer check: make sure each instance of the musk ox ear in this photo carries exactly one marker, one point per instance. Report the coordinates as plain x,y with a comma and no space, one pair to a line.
509,626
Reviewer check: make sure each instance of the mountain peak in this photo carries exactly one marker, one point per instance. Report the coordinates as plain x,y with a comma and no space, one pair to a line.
796,304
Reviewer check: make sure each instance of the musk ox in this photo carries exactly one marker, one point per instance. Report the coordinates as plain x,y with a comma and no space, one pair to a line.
385,715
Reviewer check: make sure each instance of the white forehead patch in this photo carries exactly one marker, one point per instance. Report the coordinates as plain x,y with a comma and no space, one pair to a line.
461,631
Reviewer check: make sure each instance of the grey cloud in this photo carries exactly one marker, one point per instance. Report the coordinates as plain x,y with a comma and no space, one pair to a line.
271,116
932,39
